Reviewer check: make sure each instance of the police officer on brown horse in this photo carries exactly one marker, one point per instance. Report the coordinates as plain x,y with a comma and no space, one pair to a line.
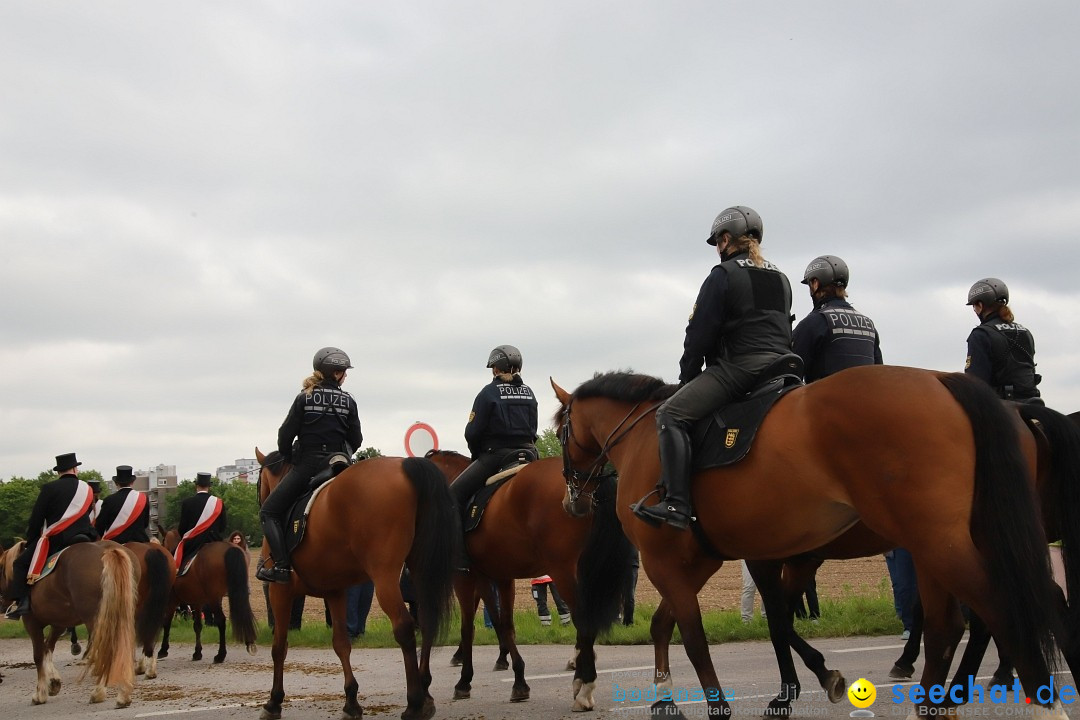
324,421
740,324
834,336
1001,351
504,419
60,517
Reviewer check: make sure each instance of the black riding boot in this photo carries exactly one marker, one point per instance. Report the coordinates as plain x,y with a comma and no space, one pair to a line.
18,608
281,572
674,509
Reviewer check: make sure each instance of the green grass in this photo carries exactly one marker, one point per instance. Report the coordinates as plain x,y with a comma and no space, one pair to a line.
867,612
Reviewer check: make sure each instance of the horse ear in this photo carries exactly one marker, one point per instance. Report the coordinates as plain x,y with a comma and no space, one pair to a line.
562,395
259,456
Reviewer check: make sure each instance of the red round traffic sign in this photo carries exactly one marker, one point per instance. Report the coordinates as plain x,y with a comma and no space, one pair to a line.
420,438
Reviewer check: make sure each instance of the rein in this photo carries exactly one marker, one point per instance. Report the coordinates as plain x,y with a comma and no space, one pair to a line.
578,480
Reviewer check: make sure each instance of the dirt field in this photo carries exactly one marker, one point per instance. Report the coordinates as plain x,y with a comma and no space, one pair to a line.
722,592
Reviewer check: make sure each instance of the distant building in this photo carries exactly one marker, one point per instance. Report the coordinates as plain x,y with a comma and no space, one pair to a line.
157,483
243,470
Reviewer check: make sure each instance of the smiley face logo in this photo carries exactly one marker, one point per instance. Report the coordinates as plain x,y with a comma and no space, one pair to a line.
862,693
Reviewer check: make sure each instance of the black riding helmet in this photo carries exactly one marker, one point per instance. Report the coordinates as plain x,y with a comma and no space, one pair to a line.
738,220
827,270
988,291
505,359
331,359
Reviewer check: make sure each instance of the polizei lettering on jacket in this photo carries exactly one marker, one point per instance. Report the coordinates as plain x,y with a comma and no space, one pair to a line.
329,400
515,392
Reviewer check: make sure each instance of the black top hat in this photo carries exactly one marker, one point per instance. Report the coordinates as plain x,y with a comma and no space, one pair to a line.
202,479
66,461
94,484
123,475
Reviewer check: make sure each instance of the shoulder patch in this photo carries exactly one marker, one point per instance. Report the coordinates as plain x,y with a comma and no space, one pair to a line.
472,416
967,363
692,313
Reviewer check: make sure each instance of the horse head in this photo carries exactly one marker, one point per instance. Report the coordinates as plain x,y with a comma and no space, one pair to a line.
272,468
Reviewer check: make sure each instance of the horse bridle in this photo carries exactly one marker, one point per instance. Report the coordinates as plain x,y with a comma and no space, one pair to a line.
578,480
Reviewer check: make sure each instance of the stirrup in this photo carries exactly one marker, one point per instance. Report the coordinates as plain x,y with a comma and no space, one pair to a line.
639,508
665,513
17,609
277,574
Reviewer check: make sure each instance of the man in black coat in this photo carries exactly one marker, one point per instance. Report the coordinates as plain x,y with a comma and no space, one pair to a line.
124,515
60,517
202,519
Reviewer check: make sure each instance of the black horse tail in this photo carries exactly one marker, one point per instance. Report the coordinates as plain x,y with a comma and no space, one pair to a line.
236,582
436,545
159,581
1061,499
604,576
1006,529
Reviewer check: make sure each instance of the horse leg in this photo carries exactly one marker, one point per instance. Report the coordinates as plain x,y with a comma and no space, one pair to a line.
504,627
681,591
281,600
978,640
197,626
904,667
661,629
52,675
465,589
584,662
796,577
76,648
219,620
766,576
343,648
943,627
166,626
388,591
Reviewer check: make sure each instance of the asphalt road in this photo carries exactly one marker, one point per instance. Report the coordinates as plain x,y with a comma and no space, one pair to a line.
237,688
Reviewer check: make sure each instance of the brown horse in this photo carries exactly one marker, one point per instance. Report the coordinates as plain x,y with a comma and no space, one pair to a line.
376,517
930,461
219,569
94,583
525,533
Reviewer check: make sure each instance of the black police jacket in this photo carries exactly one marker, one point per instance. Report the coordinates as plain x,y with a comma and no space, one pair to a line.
741,310
504,415
1003,354
833,337
326,420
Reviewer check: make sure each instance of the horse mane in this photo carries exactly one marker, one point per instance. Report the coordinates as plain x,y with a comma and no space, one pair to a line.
273,458
452,453
625,386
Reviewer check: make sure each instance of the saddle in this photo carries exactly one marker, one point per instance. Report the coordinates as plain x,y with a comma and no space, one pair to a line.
725,436
511,465
298,513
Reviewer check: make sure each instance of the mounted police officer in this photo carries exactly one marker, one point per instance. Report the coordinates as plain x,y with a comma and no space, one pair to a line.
1001,351
203,519
503,420
834,335
60,517
740,324
125,515
324,421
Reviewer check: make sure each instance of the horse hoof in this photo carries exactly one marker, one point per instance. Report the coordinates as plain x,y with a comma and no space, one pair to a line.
162,654
76,649
352,713
268,714
218,659
37,700
196,657
778,708
252,648
500,665
836,686
456,661
462,693
519,694
426,711
902,672
54,686
123,703
571,666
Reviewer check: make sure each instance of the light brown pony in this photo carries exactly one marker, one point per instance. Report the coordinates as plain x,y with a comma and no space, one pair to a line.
219,569
930,461
377,516
525,533
93,584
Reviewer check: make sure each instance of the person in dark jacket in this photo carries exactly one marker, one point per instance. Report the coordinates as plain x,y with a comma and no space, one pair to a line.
504,420
740,324
834,335
1001,351
60,517
124,515
203,519
324,422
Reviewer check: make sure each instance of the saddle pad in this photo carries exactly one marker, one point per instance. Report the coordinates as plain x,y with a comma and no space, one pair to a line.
505,474
726,436
298,513
479,502
50,565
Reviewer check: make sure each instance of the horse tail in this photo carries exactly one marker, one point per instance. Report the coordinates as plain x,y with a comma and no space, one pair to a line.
436,545
236,582
111,656
159,582
603,569
1005,526
1061,500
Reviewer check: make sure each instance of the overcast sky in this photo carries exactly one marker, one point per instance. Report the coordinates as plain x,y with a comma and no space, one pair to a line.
196,197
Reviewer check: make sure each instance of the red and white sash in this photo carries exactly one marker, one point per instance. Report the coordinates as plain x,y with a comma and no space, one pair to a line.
95,510
80,504
210,513
129,513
